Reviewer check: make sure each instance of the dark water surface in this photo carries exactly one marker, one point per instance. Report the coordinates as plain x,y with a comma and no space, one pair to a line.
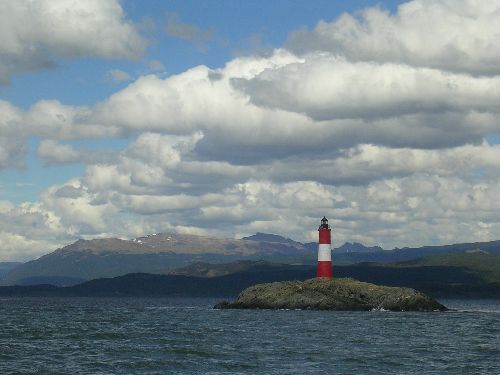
185,336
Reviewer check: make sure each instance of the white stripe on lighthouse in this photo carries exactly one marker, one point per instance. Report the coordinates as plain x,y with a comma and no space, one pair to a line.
324,252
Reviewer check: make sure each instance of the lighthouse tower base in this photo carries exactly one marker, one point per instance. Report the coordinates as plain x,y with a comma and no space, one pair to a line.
324,270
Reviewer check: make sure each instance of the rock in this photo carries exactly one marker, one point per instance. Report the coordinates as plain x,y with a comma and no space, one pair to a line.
343,294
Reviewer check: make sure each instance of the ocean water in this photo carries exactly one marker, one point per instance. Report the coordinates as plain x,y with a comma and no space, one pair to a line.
186,336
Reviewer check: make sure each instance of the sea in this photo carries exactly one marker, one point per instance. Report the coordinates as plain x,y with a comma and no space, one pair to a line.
187,336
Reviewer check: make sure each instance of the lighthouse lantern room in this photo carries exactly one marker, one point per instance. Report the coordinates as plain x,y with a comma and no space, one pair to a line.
325,268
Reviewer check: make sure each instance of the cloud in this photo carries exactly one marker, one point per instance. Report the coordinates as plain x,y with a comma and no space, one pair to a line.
16,247
453,35
326,87
13,139
158,164
178,29
325,105
260,108
12,152
384,138
298,106
53,153
367,163
35,35
156,66
371,194
28,231
253,44
56,153
117,75
199,37
77,208
55,120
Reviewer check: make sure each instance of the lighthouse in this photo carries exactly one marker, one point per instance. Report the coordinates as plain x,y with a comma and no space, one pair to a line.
324,250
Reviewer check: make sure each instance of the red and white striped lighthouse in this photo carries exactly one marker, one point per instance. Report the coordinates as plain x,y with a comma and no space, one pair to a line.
325,250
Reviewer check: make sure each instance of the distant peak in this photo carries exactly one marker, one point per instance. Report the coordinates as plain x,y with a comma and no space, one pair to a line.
268,237
356,247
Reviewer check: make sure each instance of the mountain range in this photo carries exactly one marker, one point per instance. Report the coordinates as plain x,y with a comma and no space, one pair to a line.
157,253
174,253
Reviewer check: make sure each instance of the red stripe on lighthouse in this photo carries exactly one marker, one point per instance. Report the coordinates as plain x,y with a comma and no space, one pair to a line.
325,236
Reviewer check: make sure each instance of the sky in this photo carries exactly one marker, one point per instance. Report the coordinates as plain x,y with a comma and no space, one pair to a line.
226,118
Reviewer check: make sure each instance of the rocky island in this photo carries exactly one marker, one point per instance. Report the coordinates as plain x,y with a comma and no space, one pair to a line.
343,294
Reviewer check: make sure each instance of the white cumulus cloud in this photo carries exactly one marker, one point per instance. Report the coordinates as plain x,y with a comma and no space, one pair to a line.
35,34
54,152
454,35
